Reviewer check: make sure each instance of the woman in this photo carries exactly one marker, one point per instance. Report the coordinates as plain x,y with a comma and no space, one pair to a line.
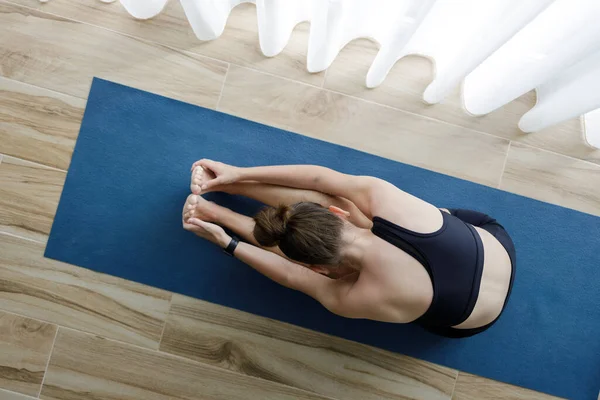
360,246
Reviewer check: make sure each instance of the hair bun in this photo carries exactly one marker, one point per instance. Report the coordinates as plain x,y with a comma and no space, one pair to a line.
271,225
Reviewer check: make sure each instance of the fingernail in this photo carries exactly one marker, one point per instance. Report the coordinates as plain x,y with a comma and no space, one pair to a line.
204,187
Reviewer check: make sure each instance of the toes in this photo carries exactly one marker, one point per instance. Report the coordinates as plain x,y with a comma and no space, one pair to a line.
192,200
196,180
197,174
190,204
197,207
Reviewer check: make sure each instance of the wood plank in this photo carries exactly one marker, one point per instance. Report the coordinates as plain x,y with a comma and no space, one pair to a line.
404,86
63,55
553,178
37,124
85,366
298,357
75,297
29,195
8,395
471,387
238,44
25,346
364,126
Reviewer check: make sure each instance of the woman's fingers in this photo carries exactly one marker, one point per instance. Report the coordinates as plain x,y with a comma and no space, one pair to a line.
205,163
190,227
212,183
199,223
196,228
207,230
206,226
194,165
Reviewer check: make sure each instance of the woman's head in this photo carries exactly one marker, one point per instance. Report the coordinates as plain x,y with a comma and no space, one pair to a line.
305,232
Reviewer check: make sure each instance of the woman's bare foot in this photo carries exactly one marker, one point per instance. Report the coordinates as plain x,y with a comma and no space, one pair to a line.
199,177
198,207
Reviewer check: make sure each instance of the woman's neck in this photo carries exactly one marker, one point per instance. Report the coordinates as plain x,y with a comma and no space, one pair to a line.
357,241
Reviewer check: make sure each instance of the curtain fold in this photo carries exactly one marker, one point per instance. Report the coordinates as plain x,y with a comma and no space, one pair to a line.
497,50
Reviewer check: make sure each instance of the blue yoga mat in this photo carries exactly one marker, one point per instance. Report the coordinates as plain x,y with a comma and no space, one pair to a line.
120,214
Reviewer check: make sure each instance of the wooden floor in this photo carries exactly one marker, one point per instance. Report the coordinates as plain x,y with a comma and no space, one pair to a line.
70,333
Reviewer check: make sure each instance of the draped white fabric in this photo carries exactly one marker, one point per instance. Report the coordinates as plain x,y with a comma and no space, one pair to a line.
497,49
592,124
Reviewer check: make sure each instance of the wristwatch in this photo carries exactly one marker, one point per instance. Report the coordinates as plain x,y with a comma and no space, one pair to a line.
231,246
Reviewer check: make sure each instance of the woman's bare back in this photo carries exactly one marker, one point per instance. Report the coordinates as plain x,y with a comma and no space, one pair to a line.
401,286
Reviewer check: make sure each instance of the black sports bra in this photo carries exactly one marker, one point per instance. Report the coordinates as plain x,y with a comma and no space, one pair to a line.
453,257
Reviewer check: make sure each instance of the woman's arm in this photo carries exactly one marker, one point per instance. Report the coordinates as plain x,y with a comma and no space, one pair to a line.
331,293
327,291
357,189
311,177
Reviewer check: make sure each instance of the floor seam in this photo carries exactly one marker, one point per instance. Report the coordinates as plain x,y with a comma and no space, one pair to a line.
416,114
49,89
556,153
222,87
21,237
7,156
48,363
28,317
324,78
162,333
504,165
281,77
102,335
454,387
25,396
41,87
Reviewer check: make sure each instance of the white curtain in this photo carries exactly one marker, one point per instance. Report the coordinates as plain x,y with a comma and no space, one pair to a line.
497,49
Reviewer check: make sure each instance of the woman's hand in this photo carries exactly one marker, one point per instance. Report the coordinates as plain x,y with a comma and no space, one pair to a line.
206,230
223,174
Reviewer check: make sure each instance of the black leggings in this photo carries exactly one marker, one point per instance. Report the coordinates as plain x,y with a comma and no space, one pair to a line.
489,224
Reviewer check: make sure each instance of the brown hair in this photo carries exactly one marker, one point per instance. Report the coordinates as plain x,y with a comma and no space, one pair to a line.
305,232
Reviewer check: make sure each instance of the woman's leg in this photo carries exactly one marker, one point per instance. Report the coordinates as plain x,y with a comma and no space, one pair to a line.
274,195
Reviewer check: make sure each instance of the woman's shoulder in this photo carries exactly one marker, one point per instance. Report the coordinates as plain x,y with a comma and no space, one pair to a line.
416,216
